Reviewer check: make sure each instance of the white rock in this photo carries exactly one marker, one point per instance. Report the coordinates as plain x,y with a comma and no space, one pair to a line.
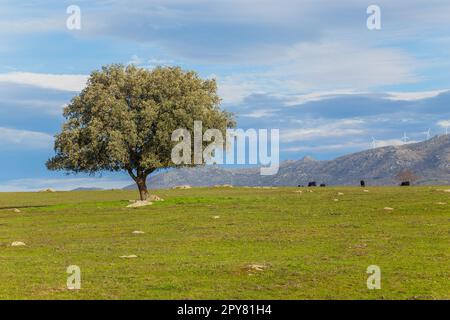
388,208
139,204
154,197
216,217
366,191
131,256
256,267
16,210
18,244
138,232
340,194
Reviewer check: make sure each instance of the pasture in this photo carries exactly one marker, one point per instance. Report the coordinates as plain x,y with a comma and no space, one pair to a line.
228,243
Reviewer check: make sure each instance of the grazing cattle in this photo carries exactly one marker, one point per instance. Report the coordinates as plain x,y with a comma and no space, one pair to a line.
300,186
405,184
323,185
312,184
363,183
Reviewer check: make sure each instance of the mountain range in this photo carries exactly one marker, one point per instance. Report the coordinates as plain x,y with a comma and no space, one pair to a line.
428,160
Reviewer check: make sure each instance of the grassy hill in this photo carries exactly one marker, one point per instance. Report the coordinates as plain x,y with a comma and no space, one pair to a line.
200,243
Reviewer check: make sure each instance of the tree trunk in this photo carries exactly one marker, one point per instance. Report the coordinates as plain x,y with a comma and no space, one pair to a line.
142,186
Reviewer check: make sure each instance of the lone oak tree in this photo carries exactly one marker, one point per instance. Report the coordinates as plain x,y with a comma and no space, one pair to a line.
125,116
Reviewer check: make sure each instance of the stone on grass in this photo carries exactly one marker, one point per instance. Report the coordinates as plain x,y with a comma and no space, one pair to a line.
298,191
366,191
17,210
255,267
388,208
138,232
131,256
216,217
154,197
340,194
335,200
139,204
441,203
18,244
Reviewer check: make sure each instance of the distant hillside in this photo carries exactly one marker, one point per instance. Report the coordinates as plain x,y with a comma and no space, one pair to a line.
88,189
430,160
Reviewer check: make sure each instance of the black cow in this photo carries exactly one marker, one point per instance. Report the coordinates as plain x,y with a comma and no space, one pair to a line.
300,186
405,184
323,185
312,184
363,183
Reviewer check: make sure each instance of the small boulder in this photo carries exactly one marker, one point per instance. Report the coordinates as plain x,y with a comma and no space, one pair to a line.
131,256
154,197
255,267
138,232
18,244
139,204
366,191
388,209
340,194
17,210
216,217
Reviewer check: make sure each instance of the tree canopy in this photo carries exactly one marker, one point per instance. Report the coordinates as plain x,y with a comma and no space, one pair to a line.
124,118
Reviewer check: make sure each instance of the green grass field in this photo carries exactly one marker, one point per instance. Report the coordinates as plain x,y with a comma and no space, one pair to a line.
311,246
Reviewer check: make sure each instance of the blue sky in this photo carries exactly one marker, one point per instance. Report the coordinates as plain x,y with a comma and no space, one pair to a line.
310,68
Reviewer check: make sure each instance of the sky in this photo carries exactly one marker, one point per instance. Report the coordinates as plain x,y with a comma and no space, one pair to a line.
311,68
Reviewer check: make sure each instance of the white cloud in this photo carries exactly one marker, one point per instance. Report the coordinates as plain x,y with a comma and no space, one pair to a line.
64,82
25,139
444,123
340,65
317,96
313,71
393,142
329,147
341,128
261,113
411,96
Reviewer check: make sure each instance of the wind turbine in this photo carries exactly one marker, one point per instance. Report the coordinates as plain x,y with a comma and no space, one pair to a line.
428,133
374,143
405,138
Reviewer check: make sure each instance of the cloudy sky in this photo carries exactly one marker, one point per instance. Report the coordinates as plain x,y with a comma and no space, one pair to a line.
309,67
